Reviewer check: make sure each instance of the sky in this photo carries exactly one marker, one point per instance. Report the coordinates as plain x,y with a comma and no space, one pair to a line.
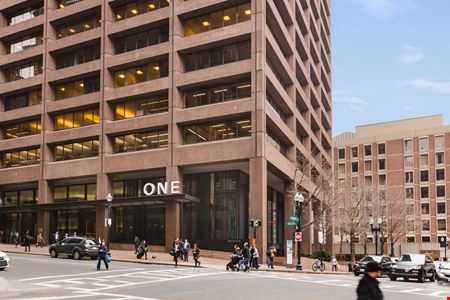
391,60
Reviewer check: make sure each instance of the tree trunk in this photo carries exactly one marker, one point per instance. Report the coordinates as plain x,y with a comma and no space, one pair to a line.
365,245
392,245
340,245
352,247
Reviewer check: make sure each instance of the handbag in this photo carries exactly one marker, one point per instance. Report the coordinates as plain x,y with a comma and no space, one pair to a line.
107,258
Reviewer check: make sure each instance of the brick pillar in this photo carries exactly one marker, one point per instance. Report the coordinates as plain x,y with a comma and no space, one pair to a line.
43,225
173,208
100,229
258,202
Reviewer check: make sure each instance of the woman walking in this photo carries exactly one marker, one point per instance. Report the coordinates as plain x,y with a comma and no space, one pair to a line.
175,252
103,255
196,254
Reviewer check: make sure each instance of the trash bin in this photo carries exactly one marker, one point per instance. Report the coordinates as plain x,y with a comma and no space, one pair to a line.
350,268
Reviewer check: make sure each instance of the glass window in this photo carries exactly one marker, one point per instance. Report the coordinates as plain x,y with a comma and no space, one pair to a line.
77,26
424,176
440,158
440,191
440,174
440,207
439,142
410,239
426,239
22,129
23,43
424,192
77,88
442,225
354,151
230,16
138,7
244,12
408,161
423,144
23,100
382,164
408,145
354,167
76,150
425,225
381,148
91,192
24,71
409,209
367,150
341,153
425,208
409,178
25,14
216,131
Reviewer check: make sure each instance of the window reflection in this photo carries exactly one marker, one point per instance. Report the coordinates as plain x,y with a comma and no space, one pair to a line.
135,8
23,100
217,93
21,158
24,71
77,119
79,192
22,129
20,197
217,56
217,19
76,150
217,130
77,57
142,39
141,141
77,88
141,107
23,43
153,70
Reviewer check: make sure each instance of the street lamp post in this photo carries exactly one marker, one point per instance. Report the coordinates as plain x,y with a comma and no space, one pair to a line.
375,230
298,199
109,199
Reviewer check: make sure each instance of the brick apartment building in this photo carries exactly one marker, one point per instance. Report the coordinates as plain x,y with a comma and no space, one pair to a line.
106,96
411,156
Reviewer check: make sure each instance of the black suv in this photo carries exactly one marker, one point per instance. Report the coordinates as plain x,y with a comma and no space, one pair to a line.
75,247
418,266
385,263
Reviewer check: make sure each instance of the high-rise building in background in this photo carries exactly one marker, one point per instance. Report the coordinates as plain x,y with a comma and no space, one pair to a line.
192,114
404,165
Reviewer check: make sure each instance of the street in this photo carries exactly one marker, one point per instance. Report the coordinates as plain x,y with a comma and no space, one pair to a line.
40,277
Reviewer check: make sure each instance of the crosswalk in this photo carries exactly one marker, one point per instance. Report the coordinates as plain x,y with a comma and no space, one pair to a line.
103,284
427,290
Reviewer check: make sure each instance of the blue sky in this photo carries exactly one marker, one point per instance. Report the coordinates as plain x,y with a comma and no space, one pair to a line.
391,60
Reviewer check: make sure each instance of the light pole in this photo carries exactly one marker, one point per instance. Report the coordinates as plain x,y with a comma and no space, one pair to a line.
109,199
298,199
375,230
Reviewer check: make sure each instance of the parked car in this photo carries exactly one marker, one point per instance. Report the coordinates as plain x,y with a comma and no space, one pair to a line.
384,261
4,261
443,273
75,247
419,266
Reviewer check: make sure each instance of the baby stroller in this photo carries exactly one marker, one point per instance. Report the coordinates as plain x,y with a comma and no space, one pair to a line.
235,262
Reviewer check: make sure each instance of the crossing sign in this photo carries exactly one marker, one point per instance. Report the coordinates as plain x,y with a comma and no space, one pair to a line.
298,236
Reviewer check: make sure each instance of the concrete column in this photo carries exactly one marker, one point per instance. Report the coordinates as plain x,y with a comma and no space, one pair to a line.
258,202
173,208
100,228
45,192
104,186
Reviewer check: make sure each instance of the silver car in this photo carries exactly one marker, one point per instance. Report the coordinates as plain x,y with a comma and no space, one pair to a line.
419,266
4,261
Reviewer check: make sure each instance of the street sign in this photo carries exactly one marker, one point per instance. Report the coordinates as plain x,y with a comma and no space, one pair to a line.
293,218
320,236
291,223
298,236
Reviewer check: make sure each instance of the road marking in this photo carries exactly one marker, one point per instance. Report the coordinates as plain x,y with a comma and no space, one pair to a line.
78,274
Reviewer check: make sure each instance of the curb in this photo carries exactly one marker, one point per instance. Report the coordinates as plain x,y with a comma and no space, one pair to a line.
192,266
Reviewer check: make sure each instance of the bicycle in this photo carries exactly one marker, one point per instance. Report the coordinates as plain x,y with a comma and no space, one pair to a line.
318,265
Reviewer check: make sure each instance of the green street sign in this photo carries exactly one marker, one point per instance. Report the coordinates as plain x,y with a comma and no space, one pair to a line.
293,218
290,223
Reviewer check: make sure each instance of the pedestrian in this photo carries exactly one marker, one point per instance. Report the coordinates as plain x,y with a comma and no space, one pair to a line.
66,235
27,241
137,242
368,287
271,255
17,238
181,255
103,255
175,252
142,250
75,234
186,248
196,255
245,256
255,258
334,264
56,237
39,240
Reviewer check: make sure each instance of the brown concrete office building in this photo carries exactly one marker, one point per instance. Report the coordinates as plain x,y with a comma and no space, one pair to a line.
105,96
410,161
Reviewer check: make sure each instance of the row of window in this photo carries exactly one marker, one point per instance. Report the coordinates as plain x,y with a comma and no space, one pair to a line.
425,209
217,56
141,107
424,239
25,14
425,192
78,57
217,93
20,197
23,100
24,71
138,7
218,19
21,158
77,88
217,130
77,150
141,141
64,3
79,192
150,71
381,150
142,39
78,26
424,176
21,129
77,119
23,43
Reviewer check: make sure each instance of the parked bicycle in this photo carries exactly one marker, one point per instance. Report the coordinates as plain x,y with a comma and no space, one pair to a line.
318,265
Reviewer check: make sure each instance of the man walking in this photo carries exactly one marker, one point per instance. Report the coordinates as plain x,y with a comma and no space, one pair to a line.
27,241
103,255
137,242
56,237
186,248
368,288
245,256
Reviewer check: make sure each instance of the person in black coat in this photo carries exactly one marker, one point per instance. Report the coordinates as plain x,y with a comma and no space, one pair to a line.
368,287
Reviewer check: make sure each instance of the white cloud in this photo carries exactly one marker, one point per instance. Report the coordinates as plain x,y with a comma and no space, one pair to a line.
352,102
382,9
439,87
411,55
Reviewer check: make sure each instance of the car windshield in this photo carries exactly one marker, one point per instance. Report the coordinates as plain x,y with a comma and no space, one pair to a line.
419,259
371,258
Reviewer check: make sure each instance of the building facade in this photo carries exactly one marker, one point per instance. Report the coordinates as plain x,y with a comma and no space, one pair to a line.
407,161
103,97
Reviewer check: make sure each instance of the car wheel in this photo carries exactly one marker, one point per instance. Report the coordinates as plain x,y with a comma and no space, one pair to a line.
2,269
406,278
53,253
392,278
421,277
433,277
76,255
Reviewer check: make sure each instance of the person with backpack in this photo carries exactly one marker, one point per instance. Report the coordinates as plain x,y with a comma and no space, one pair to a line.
196,255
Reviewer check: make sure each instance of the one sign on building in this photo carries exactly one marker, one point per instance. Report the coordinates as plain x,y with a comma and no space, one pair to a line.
162,188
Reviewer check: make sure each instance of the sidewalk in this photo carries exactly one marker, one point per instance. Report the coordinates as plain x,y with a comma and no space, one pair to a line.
166,259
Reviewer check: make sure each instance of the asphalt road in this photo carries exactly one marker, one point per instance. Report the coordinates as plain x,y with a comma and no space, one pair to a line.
38,277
